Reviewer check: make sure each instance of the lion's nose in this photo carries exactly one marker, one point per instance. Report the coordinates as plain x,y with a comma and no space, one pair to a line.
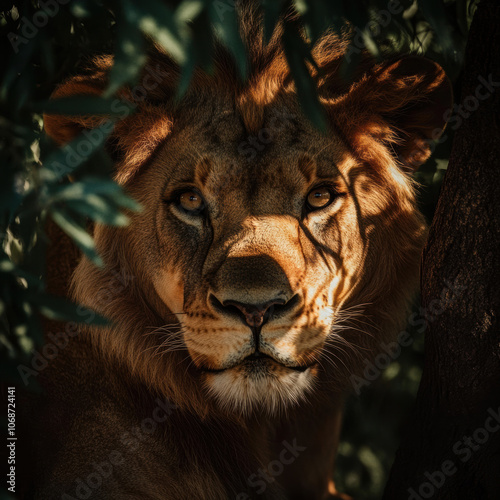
255,315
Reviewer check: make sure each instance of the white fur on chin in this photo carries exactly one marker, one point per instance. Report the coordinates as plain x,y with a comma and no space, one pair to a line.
242,392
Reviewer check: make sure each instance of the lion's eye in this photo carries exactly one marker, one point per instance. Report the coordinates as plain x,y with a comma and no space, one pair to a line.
319,197
191,201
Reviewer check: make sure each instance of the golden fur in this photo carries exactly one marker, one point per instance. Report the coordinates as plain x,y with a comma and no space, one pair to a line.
346,272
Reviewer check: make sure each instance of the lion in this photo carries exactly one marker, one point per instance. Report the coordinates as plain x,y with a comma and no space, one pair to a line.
269,260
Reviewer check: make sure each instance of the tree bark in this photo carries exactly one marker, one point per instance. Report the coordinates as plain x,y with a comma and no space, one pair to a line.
451,447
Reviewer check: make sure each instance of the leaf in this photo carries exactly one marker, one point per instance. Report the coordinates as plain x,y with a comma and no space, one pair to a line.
296,52
15,272
97,209
61,309
314,16
77,233
227,30
125,201
199,51
272,11
65,160
82,9
435,14
370,44
188,10
83,105
81,190
158,21
34,261
187,71
6,266
24,225
129,52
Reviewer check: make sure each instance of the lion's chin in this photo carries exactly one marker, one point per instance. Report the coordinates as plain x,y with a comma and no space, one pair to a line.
269,389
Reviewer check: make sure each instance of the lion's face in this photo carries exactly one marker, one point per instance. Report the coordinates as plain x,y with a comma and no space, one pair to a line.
257,253
269,259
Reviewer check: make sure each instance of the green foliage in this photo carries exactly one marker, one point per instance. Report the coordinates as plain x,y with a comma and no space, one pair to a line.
42,43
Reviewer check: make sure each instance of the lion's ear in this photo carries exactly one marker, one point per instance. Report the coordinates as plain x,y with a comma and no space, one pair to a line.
63,128
139,128
405,103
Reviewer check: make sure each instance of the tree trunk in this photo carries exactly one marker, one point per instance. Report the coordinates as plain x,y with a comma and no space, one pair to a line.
451,447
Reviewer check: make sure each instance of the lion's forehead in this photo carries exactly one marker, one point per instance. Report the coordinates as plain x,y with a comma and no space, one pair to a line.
224,156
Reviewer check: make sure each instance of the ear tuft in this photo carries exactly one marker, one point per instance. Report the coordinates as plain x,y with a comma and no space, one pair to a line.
63,128
405,101
135,136
420,120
